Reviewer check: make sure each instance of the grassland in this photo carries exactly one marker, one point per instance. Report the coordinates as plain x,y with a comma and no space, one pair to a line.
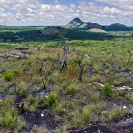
45,98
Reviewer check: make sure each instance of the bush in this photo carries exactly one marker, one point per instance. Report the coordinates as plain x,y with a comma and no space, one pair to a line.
107,90
9,116
95,97
8,76
58,109
51,99
86,115
115,114
72,89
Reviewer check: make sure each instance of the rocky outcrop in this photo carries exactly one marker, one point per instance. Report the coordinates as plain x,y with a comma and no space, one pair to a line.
97,30
76,22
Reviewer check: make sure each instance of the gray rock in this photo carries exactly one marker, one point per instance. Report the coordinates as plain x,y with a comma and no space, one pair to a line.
3,95
127,74
126,122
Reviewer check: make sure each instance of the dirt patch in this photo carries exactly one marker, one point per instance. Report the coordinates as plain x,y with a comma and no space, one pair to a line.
40,119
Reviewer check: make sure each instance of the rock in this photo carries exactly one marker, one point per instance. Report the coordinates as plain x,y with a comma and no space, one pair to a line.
33,88
127,74
124,107
3,95
92,129
45,112
126,122
124,88
44,92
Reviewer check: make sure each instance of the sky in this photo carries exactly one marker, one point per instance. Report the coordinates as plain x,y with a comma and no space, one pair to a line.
61,12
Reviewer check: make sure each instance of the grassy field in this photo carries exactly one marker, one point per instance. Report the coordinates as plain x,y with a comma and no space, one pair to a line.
35,82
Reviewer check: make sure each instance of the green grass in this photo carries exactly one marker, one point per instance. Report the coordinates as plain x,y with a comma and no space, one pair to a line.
51,99
107,90
9,116
86,115
72,89
76,103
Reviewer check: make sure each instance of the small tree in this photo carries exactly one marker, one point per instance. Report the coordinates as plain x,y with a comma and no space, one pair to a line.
81,67
41,67
63,64
44,81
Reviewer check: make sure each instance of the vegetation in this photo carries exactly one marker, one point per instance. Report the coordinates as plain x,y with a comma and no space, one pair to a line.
34,86
107,90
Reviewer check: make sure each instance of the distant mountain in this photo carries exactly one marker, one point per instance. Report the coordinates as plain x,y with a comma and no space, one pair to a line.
90,25
116,27
77,23
53,30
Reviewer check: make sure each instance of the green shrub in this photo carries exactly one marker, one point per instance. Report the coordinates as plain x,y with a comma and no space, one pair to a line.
86,114
97,108
20,124
76,119
16,72
95,97
58,108
31,104
72,89
107,90
51,99
9,116
8,76
115,113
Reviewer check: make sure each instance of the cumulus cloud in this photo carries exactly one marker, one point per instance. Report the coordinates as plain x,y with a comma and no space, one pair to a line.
36,12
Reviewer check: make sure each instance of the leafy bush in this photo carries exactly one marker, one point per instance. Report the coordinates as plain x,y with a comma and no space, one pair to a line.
8,76
51,99
107,90
16,72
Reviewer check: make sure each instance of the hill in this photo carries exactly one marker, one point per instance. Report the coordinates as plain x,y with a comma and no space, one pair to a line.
77,23
90,25
53,30
116,27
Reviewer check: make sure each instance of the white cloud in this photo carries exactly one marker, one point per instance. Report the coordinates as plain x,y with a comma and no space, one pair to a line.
35,12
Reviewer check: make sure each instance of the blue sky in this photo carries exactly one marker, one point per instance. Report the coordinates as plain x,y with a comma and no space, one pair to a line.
60,12
63,2
76,2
